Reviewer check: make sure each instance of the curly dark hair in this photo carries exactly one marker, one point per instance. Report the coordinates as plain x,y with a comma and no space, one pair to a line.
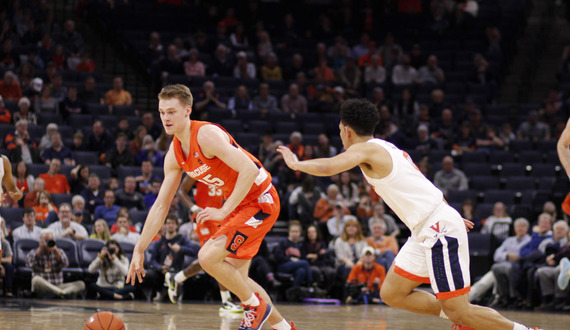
360,115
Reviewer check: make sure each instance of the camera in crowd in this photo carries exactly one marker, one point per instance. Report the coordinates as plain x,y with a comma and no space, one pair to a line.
111,250
50,243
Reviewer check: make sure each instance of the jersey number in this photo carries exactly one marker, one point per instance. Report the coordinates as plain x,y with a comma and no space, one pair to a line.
214,191
209,180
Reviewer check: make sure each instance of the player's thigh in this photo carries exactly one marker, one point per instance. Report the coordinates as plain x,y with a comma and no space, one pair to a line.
214,250
242,265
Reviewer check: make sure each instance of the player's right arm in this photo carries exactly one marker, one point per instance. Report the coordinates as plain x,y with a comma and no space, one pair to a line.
156,216
563,148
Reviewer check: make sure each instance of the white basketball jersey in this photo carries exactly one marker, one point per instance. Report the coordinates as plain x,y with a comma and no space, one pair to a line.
406,190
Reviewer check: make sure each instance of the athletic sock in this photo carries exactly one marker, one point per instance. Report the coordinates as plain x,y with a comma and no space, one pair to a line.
180,277
226,296
518,326
252,301
283,325
442,315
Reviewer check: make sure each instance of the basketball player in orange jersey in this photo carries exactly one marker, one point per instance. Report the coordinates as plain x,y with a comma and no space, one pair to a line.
207,153
437,251
8,181
563,148
205,196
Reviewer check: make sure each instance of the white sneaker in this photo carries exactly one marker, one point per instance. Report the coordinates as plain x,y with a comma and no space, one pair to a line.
564,276
172,287
230,307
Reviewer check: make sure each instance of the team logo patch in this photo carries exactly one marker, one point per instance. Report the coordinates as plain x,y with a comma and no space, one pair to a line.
435,227
236,242
196,155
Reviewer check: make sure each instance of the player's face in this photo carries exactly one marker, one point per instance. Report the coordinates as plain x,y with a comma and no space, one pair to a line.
173,115
343,136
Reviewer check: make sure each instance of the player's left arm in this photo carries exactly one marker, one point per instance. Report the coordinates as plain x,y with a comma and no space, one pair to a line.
215,143
8,181
563,148
354,156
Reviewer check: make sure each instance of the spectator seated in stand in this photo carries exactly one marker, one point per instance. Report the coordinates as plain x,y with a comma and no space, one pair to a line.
10,87
107,211
553,295
123,231
43,208
6,265
450,178
5,115
365,279
385,247
93,194
117,95
101,231
28,230
47,263
289,257
499,216
348,248
112,265
65,228
58,151
55,183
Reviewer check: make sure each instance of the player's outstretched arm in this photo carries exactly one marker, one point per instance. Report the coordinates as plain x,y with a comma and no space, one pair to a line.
8,181
215,143
156,216
354,156
563,148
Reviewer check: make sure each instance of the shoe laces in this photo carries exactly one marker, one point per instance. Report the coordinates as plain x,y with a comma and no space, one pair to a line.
248,317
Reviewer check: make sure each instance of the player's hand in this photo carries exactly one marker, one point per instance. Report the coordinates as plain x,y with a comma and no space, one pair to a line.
289,157
210,214
136,269
468,224
17,194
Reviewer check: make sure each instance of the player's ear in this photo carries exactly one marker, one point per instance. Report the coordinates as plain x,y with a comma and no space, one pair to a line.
189,110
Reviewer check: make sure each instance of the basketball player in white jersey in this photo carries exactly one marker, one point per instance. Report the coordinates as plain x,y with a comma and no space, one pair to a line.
437,251
8,182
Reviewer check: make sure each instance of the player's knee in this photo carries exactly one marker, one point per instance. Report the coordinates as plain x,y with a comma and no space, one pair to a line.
205,258
388,295
456,314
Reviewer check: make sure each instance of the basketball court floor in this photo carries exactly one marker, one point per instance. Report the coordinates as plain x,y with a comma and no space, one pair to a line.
22,314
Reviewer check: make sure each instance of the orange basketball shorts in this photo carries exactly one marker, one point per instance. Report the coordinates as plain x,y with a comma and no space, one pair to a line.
248,224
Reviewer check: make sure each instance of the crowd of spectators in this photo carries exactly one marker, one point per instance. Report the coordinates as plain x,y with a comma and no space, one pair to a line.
345,238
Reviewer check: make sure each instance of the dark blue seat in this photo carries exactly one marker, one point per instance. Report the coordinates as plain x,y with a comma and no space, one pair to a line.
286,127
458,196
480,251
512,169
247,140
21,249
313,128
474,157
529,156
47,118
12,216
123,110
520,183
500,157
496,195
37,169
79,121
58,199
216,115
483,182
260,126
104,172
546,183
545,146
472,169
72,271
138,216
233,126
540,170
88,250
128,249
125,171
520,145
86,157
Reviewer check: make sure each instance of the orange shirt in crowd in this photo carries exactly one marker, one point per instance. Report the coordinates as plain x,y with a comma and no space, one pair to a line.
367,276
123,97
387,243
56,184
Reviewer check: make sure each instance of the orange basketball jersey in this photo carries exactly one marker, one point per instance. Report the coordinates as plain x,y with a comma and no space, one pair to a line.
207,196
214,171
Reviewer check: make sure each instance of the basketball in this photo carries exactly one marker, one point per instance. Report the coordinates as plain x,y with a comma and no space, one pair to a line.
104,321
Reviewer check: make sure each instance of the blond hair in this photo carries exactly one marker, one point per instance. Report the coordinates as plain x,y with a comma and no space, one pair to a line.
178,91
106,236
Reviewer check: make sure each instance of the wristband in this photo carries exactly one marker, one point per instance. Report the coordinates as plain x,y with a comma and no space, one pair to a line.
195,208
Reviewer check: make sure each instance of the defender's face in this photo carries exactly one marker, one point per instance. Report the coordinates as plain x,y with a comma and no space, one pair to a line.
173,115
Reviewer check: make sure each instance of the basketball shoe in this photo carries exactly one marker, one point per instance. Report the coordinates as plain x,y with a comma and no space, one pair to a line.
230,307
291,324
255,316
564,276
172,286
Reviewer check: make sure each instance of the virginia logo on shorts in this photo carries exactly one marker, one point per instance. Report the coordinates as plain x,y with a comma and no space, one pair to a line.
435,227
236,242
